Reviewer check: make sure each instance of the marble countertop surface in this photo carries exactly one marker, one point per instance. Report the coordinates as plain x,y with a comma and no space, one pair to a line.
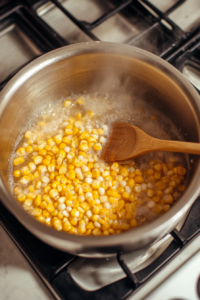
17,278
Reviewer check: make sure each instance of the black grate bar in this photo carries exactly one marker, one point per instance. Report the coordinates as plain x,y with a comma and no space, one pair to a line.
179,238
132,277
10,12
22,16
192,43
48,32
140,35
73,19
164,16
107,15
175,6
54,274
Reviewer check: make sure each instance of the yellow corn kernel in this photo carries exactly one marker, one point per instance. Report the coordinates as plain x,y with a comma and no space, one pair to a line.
46,162
123,172
168,199
158,208
66,226
97,147
81,229
17,173
62,170
96,184
29,149
120,189
57,224
38,200
139,179
113,200
28,134
133,223
21,197
74,221
100,131
36,212
90,114
156,199
95,173
40,218
181,188
67,103
75,213
83,147
115,167
96,232
84,135
90,225
85,206
37,160
130,182
80,100
25,170
124,226
150,193
31,188
50,207
55,184
68,131
112,193
18,161
21,152
42,152
165,168
160,186
91,139
53,193
157,175
181,170
24,180
166,207
71,174
31,196
150,172
58,139
41,123
91,201
47,189
95,210
42,169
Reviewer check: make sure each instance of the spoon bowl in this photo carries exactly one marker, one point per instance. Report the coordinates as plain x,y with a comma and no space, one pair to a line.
127,141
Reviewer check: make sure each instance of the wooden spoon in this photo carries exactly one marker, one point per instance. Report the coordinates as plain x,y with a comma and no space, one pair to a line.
127,141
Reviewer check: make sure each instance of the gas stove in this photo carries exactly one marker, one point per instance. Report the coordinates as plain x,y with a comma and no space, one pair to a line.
169,29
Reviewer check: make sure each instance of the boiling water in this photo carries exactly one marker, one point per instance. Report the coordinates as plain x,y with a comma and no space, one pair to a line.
108,108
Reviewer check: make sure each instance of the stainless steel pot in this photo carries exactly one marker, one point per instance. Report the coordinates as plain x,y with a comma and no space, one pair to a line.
83,67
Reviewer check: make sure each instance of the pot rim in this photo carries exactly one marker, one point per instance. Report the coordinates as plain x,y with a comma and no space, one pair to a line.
135,234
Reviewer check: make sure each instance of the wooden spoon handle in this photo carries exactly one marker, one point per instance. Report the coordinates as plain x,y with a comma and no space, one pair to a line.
174,146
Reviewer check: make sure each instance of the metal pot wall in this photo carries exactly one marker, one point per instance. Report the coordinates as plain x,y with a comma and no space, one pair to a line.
83,67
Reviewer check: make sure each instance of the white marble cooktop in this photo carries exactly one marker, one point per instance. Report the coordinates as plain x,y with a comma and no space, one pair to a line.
18,281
